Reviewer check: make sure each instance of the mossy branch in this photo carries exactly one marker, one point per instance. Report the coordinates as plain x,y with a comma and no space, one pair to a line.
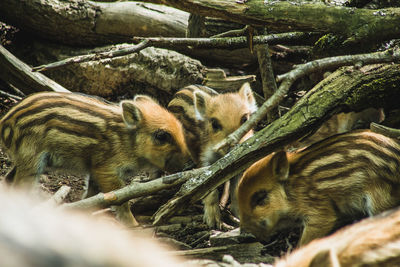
289,78
341,91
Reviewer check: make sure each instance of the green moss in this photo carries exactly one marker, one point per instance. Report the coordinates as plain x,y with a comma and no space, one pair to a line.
384,90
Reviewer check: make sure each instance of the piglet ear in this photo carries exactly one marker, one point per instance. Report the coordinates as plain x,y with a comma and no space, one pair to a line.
280,165
144,98
131,113
247,94
200,102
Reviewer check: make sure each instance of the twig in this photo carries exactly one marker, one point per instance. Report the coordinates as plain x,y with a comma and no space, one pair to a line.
134,190
232,33
10,95
15,89
96,56
289,78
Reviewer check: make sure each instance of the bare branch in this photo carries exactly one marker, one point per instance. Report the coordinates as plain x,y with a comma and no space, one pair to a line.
18,98
229,42
117,197
334,62
96,56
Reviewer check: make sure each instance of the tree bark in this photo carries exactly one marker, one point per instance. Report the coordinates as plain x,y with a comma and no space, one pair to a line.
356,24
154,71
85,23
346,89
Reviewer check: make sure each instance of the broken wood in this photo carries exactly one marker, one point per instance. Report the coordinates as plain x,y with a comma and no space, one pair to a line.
216,79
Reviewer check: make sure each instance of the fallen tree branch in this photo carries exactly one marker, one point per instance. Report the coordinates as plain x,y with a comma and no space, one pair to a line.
341,91
289,78
19,74
163,42
230,42
333,62
356,24
96,56
117,197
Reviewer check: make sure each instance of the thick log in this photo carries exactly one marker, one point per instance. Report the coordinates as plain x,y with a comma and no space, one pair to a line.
356,24
154,71
346,89
86,23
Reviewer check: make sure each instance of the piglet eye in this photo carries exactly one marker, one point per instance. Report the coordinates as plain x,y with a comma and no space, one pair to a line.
259,198
162,137
244,119
215,124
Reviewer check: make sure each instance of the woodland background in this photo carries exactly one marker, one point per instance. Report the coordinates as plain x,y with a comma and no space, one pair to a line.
306,61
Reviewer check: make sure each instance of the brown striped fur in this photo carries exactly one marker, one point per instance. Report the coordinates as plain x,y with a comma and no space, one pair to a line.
326,185
208,118
82,134
373,242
